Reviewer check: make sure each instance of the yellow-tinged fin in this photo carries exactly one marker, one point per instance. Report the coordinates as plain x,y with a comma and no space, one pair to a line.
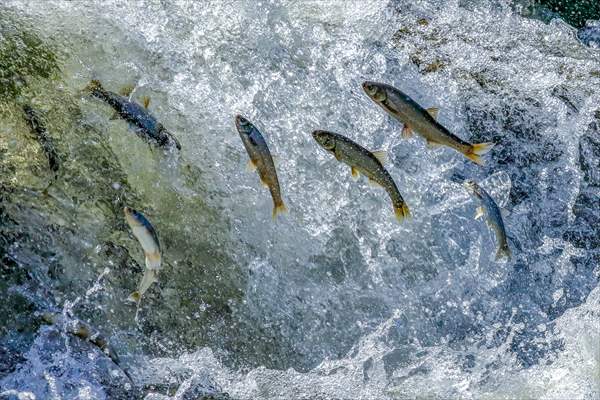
381,155
279,209
153,261
135,297
264,183
145,101
406,131
126,90
433,111
374,183
402,212
477,150
355,173
478,212
251,166
504,251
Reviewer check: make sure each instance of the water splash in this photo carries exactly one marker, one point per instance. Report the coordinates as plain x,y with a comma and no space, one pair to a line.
337,300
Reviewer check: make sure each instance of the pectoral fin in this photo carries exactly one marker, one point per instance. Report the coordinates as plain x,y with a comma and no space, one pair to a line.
433,111
374,183
145,101
264,183
479,212
126,90
355,173
381,155
433,145
406,131
114,116
251,166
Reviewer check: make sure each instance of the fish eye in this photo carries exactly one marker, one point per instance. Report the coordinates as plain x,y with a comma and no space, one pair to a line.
379,94
328,143
243,121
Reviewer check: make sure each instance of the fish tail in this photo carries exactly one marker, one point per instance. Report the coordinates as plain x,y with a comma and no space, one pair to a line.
401,212
477,150
279,208
504,251
135,297
174,141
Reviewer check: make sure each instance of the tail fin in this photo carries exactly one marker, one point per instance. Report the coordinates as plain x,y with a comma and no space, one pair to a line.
279,209
402,212
477,150
504,251
135,297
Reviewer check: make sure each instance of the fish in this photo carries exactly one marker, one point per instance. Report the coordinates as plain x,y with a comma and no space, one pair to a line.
261,161
77,327
43,137
490,209
146,235
138,116
362,161
423,121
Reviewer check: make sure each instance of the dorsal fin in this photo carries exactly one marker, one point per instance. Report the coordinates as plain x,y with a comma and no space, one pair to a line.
381,155
145,101
433,111
126,90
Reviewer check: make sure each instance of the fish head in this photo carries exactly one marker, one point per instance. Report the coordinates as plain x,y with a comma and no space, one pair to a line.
375,91
133,217
473,187
243,126
325,140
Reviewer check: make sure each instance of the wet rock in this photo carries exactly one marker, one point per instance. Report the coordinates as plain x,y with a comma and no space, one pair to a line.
590,34
585,232
589,153
200,387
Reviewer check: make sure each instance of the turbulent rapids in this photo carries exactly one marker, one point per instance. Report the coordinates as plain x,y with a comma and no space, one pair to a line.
334,299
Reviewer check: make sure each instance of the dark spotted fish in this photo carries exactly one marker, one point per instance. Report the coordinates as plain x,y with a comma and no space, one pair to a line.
145,125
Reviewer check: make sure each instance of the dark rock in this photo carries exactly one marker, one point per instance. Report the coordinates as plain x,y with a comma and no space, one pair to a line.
590,34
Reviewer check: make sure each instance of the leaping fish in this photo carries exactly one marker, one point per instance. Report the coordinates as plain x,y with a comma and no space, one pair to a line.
490,209
145,125
145,234
77,327
261,160
43,137
416,118
365,162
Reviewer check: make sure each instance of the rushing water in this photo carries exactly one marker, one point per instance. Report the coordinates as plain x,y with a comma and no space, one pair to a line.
335,300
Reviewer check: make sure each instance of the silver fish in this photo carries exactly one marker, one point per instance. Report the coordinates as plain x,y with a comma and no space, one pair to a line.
414,117
365,162
490,209
145,234
261,160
